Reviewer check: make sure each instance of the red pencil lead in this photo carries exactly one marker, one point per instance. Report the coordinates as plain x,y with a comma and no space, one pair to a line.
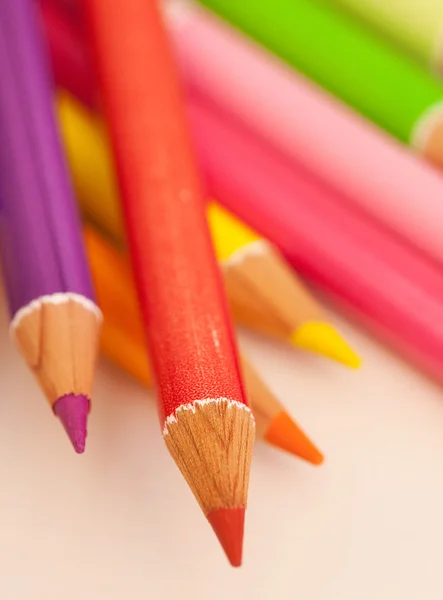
73,412
228,524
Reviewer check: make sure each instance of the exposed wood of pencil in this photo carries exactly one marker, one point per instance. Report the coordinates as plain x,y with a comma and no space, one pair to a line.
264,293
265,404
58,336
228,433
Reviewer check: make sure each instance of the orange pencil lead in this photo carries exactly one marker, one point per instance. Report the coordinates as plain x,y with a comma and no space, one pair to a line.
228,524
284,433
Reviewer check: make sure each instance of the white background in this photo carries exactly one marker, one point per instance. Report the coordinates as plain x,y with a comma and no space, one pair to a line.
120,523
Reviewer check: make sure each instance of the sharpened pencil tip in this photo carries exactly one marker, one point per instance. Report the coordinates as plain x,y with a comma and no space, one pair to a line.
285,434
324,339
228,524
72,410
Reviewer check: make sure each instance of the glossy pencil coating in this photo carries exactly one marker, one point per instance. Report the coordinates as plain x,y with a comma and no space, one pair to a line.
371,273
190,337
123,342
264,293
304,123
55,321
348,60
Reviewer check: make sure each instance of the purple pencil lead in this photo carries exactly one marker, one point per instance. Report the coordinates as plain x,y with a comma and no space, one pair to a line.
73,412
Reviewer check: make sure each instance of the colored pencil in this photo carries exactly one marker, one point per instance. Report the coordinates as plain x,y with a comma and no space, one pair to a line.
344,57
375,276
416,26
192,345
55,321
64,36
293,115
304,123
123,342
264,293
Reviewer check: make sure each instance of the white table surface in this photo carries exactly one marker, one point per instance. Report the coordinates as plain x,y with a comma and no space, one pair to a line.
120,523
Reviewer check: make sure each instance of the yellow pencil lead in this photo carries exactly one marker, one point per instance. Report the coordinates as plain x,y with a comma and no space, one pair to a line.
324,339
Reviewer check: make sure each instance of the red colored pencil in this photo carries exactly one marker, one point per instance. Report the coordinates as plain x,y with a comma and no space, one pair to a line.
207,425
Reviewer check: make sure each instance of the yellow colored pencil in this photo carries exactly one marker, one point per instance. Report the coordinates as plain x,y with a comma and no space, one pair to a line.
123,342
265,294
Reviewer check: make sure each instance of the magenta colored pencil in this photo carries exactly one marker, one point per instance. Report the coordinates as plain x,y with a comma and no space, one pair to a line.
55,321
380,279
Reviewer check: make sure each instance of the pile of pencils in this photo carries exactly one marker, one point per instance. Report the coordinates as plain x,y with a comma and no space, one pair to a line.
214,178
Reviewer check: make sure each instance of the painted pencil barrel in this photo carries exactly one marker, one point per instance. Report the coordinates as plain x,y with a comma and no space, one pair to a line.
416,26
342,56
42,233
338,250
303,122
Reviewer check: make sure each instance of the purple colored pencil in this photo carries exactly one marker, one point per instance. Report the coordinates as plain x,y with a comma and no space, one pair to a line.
55,321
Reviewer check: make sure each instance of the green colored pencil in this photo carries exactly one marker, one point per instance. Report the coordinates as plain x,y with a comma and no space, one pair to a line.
344,57
416,26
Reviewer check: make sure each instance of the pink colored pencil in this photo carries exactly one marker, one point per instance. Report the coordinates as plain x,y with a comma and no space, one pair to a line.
370,272
376,173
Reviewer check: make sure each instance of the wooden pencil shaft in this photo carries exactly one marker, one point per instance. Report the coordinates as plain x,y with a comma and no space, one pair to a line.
283,308
220,452
59,338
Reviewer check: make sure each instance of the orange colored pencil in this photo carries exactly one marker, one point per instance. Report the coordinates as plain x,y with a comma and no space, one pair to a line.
207,424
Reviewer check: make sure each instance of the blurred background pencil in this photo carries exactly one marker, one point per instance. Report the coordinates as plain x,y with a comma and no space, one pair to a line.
416,26
305,123
207,424
123,342
369,272
264,293
348,60
55,321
